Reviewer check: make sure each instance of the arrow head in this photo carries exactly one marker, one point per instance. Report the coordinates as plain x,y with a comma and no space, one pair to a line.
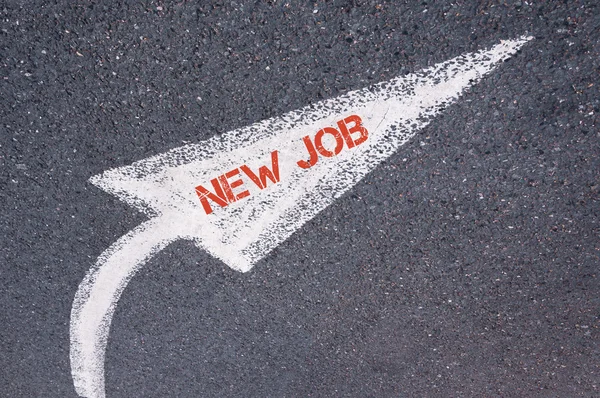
247,229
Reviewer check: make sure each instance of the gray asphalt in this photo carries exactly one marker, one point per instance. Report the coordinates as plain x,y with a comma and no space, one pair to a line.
466,265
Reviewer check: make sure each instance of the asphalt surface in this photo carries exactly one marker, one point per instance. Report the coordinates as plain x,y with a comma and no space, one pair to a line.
466,265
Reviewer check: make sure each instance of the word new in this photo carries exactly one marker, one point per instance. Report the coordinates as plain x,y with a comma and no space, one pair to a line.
350,132
223,187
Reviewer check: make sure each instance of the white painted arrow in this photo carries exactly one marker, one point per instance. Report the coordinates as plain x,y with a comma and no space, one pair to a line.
246,230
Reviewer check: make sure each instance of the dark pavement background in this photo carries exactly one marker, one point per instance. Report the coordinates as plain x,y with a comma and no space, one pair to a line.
464,266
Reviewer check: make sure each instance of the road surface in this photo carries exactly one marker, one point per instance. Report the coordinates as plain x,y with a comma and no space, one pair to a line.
464,265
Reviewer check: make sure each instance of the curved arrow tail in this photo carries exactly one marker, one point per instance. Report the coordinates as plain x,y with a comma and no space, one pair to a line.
97,296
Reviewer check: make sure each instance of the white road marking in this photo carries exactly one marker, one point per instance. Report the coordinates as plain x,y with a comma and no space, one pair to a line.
203,192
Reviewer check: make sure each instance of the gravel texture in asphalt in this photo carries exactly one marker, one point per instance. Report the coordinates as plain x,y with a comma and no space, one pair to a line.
466,265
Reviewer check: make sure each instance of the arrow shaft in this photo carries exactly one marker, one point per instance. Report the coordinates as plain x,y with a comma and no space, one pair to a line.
96,299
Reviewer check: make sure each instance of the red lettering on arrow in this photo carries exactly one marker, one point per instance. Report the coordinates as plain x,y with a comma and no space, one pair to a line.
218,197
344,134
357,128
264,172
224,194
228,186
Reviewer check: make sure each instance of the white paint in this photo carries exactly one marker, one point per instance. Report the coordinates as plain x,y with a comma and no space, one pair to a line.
242,233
